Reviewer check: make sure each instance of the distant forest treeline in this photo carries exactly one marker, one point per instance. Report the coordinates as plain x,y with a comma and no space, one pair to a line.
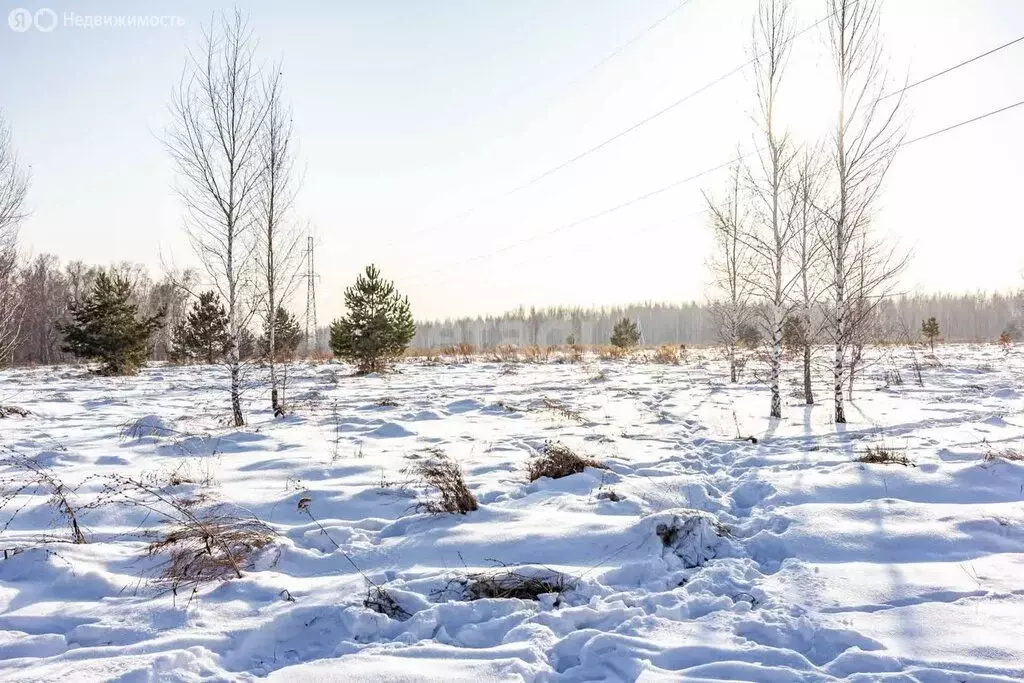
45,286
962,317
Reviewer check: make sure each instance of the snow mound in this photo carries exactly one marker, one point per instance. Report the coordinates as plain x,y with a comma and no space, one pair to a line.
691,535
147,426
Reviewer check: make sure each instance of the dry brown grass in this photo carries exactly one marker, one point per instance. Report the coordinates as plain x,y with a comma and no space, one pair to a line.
565,411
458,353
667,354
445,475
536,354
610,352
560,461
507,583
882,455
505,353
209,545
13,411
200,540
1011,454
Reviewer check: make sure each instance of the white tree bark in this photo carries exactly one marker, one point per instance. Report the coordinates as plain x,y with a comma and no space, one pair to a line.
863,145
219,111
730,307
14,183
773,229
278,255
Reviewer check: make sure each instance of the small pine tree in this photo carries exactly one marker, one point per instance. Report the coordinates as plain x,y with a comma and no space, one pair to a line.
286,336
930,330
203,334
379,324
246,344
749,335
794,333
625,334
106,327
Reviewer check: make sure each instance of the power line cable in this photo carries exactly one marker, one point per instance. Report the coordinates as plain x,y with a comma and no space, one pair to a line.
962,123
569,86
675,184
587,219
952,68
601,145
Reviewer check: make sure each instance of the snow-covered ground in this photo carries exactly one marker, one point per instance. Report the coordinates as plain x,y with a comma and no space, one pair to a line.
827,568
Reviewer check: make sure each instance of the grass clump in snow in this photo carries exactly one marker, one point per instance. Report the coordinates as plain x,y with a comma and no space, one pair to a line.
505,583
380,601
882,455
564,411
445,475
1011,454
13,411
202,541
667,354
208,545
560,461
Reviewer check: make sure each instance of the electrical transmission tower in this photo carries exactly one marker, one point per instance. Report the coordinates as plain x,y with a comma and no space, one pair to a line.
310,297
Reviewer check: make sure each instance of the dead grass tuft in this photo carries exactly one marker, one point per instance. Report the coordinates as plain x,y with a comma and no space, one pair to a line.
560,461
609,352
13,411
564,411
507,583
536,354
387,402
505,353
882,455
209,545
667,354
458,353
380,601
1011,454
445,475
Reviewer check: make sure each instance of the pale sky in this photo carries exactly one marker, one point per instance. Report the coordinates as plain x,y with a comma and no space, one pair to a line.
411,113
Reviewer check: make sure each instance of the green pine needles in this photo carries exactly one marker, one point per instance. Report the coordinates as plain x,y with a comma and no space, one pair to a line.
106,327
625,334
378,326
201,336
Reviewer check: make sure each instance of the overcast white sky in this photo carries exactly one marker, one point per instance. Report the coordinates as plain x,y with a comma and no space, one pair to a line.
411,112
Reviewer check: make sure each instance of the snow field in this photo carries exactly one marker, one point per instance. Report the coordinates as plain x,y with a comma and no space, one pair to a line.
716,558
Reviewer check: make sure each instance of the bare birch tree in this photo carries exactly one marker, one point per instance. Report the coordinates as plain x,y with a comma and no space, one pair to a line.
14,182
773,228
277,252
807,257
219,111
730,306
863,145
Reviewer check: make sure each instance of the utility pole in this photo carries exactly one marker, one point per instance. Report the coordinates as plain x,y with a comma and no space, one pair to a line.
310,298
